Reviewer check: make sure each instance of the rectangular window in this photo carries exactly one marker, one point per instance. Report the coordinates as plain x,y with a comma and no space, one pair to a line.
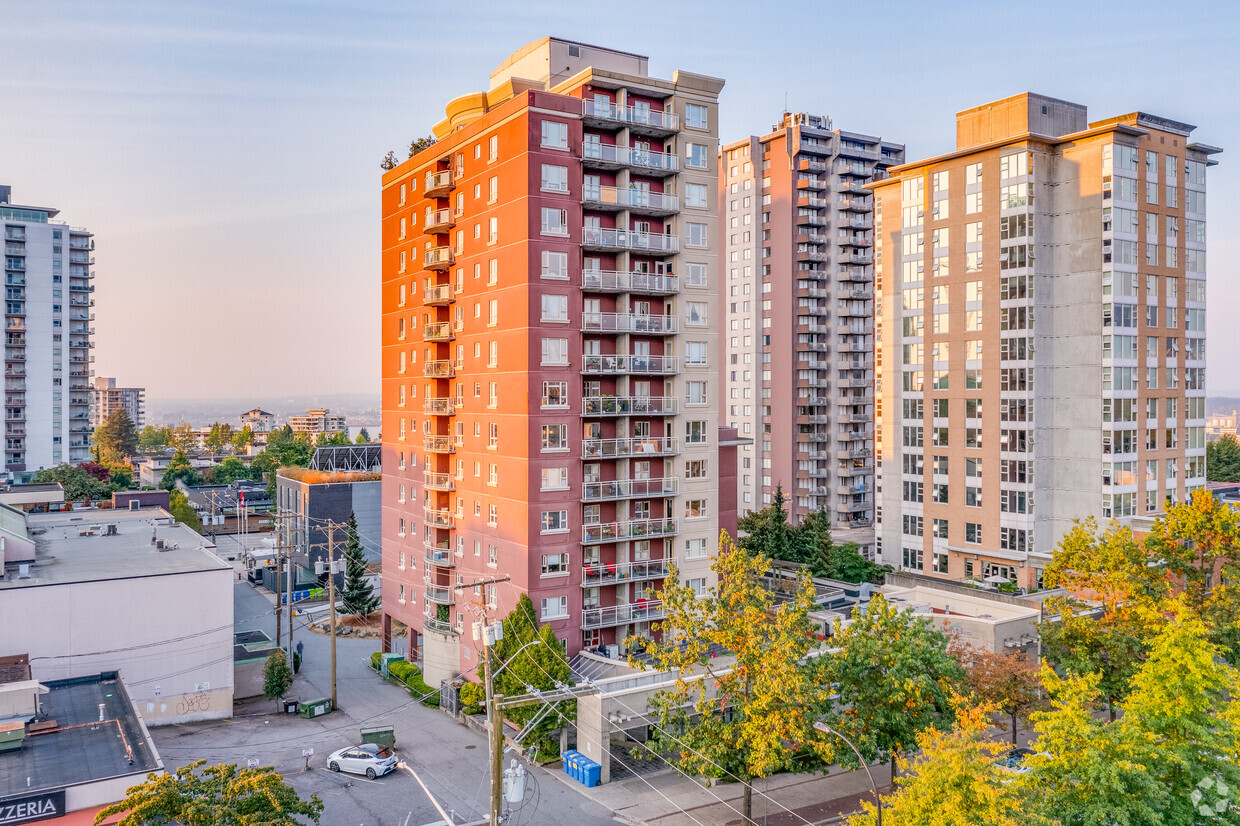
695,313
555,478
554,564
696,195
554,521
695,235
554,178
554,264
554,221
695,508
555,351
555,394
695,433
554,607
696,156
555,437
555,308
695,116
554,134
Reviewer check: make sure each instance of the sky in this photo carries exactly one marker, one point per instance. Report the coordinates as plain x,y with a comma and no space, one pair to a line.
226,154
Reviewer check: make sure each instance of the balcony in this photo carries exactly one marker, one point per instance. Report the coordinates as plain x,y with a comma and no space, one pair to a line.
440,555
14,234
628,489
857,258
811,184
439,221
811,219
611,573
807,165
438,369
14,265
630,365
440,594
851,490
14,249
629,405
812,255
642,611
438,331
438,184
438,481
633,199
628,323
859,204
439,518
640,120
440,295
438,258
807,237
630,529
438,625
438,444
439,407
607,156
613,281
619,239
623,448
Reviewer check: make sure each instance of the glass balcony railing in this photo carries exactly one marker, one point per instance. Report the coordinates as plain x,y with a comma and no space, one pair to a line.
630,282
640,116
628,405
626,240
628,323
609,573
629,489
640,611
621,448
637,365
630,529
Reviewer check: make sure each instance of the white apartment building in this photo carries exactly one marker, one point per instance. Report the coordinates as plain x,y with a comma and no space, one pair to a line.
48,316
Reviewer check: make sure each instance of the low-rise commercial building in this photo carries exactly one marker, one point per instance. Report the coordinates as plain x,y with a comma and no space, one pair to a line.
128,591
318,421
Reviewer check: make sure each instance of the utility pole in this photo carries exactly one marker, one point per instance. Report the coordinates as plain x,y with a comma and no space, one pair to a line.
280,523
495,715
279,573
331,598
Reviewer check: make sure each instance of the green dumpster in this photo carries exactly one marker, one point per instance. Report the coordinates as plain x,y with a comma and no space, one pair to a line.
316,708
379,735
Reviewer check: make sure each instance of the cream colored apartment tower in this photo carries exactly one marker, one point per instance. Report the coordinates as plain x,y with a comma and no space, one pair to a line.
798,292
1040,335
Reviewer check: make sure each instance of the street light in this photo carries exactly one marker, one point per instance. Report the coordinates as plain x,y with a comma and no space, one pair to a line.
823,727
534,641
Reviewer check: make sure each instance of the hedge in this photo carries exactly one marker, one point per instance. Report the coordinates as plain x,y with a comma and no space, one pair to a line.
374,660
409,674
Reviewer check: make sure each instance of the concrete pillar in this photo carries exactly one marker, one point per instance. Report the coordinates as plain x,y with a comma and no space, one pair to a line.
594,733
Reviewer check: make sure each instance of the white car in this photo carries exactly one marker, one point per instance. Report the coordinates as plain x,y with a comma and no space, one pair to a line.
369,759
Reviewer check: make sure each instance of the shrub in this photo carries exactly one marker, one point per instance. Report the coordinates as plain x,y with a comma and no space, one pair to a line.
418,688
374,660
473,697
401,669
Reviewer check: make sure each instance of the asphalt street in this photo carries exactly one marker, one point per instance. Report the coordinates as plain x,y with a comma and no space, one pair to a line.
450,758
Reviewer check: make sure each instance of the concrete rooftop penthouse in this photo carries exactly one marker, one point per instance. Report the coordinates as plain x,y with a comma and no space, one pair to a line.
63,555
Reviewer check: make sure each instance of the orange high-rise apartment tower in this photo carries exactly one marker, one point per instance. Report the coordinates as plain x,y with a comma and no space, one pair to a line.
1041,335
550,312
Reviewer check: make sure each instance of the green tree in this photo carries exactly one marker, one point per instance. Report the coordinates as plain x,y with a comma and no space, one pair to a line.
229,470
339,438
737,719
358,595
120,477
243,438
1177,702
219,438
78,484
182,511
179,470
955,781
221,795
1198,541
767,532
154,439
1085,770
894,675
289,449
117,438
389,161
418,144
540,666
277,676
184,437
1223,459
363,437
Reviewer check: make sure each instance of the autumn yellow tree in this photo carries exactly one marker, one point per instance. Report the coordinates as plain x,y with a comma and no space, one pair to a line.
741,715
955,781
1007,680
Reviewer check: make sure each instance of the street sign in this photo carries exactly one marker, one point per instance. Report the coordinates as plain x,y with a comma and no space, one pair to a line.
251,762
307,752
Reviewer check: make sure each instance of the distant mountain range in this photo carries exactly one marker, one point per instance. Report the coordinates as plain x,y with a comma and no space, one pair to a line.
357,408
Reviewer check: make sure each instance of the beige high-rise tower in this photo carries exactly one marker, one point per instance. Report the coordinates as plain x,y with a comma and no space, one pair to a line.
1040,337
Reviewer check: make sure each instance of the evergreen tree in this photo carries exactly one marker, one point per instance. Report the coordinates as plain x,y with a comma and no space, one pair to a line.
767,531
116,439
182,511
1223,459
179,469
358,595
363,436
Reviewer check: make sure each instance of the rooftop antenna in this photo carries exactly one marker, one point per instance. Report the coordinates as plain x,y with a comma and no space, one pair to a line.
785,100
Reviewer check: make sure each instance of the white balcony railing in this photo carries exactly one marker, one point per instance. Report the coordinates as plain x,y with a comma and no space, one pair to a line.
640,611
630,282
620,448
636,365
630,529
629,489
629,405
628,323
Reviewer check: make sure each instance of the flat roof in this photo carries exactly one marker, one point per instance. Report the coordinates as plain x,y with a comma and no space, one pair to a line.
80,749
63,554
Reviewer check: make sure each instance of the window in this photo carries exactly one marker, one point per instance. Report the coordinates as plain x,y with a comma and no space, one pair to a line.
554,264
695,548
555,351
695,508
555,394
695,195
695,116
554,437
695,392
493,520
492,190
554,134
554,521
492,312
554,178
555,478
695,313
554,221
695,235
554,607
973,203
973,532
554,564
555,308
695,433
696,156
492,435
695,353
696,275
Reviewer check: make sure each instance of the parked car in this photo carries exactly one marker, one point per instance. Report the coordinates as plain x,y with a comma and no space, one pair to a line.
369,759
1014,761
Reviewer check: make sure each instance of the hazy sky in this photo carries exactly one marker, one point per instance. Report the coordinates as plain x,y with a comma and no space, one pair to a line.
226,153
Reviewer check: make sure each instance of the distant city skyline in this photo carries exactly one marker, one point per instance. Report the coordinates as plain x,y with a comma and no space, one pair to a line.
226,155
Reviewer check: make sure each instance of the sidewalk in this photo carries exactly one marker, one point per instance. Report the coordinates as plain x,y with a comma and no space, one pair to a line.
665,798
